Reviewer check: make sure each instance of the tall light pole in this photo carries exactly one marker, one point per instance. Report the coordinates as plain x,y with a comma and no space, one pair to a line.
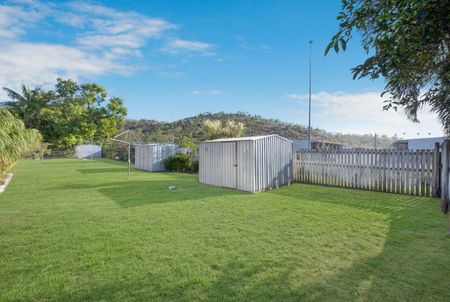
375,141
309,110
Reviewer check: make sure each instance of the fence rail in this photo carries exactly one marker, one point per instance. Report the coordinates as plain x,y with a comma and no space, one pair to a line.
394,171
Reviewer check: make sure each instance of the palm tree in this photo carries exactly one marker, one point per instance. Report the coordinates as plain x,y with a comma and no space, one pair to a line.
28,105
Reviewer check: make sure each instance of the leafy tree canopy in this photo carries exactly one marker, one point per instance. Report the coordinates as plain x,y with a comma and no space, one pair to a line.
70,114
187,142
216,129
408,44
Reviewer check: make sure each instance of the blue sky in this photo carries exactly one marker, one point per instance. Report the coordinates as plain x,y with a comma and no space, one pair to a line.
173,59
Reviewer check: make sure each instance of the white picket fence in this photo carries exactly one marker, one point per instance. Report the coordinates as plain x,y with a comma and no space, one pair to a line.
395,171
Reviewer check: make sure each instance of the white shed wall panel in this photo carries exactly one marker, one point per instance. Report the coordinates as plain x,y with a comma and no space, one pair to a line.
245,166
88,151
273,163
248,165
151,157
218,164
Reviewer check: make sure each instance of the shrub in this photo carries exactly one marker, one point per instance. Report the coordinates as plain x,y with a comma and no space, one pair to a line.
178,162
194,166
59,154
15,141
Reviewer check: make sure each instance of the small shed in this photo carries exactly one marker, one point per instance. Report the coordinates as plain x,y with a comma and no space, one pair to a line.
88,151
249,164
150,157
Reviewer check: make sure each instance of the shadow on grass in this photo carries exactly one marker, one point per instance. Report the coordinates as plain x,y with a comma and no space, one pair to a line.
387,203
137,192
411,266
412,258
402,272
235,282
59,161
87,162
103,170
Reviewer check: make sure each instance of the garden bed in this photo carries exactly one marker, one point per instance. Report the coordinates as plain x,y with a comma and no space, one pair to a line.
5,182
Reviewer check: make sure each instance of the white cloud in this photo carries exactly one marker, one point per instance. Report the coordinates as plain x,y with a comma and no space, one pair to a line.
113,28
214,92
104,42
15,19
122,40
41,64
89,8
361,113
33,63
176,46
71,19
245,44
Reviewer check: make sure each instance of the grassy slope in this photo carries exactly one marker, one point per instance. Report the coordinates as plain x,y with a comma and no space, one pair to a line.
77,230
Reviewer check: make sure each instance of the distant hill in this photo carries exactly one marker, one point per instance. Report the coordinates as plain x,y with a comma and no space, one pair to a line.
158,131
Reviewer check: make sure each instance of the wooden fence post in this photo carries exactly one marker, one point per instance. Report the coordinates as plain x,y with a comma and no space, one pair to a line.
445,176
436,171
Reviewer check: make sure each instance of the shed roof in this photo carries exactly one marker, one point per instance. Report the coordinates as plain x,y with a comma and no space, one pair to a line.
436,139
153,144
247,138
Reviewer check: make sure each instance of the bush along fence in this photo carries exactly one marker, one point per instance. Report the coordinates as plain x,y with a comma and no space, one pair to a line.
396,171
15,142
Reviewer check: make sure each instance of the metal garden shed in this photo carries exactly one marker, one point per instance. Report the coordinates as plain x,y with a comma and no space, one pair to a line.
88,151
150,157
249,164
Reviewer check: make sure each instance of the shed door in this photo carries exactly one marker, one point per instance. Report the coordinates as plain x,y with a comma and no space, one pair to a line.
229,165
218,164
244,166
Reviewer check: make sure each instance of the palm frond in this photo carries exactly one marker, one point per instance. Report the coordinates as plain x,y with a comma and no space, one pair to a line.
14,95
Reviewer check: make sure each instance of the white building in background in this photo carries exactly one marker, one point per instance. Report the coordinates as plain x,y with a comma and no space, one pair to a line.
88,151
151,157
417,143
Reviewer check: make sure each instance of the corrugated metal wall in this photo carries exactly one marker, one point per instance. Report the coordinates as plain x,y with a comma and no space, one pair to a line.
88,151
151,157
246,165
273,163
217,164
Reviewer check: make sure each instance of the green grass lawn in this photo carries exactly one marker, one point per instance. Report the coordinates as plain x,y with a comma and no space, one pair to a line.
78,230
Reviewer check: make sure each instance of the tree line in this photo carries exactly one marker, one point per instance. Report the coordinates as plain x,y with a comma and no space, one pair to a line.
190,131
35,120
68,115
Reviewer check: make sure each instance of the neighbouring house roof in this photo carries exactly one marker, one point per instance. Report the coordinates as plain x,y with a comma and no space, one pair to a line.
418,143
